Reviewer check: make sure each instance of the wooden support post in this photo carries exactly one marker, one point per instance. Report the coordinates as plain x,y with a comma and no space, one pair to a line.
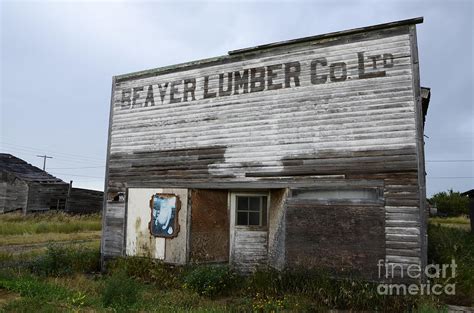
66,208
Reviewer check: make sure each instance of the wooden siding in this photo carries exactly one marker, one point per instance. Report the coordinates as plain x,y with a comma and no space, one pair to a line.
249,249
13,193
46,196
113,232
244,135
360,129
84,201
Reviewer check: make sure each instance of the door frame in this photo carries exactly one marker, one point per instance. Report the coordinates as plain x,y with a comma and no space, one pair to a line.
232,215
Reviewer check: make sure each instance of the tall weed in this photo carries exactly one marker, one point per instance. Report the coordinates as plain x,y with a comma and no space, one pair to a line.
120,291
59,260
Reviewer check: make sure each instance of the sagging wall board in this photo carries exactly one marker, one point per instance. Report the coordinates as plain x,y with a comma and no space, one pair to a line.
139,240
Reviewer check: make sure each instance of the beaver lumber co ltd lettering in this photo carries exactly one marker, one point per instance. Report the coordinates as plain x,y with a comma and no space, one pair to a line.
255,79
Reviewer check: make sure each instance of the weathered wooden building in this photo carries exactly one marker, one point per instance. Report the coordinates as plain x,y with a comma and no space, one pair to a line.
307,152
29,189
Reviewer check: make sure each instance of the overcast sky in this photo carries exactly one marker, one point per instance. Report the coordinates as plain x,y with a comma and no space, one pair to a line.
58,58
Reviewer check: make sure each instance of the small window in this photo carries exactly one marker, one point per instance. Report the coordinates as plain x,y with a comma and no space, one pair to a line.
251,210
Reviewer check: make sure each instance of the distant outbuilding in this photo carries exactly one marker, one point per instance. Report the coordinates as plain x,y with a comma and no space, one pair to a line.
29,189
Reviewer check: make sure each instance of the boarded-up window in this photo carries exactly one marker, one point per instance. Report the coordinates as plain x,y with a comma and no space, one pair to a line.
209,226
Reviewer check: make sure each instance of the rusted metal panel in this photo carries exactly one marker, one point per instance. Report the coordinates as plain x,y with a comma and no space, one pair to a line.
209,226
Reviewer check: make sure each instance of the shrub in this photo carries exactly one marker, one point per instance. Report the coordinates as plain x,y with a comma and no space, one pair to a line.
149,270
58,261
451,203
120,291
210,281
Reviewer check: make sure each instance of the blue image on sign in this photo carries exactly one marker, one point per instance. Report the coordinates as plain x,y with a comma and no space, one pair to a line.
164,212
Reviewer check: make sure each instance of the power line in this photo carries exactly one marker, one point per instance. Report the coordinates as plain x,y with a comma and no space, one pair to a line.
450,161
450,177
69,174
72,168
60,159
71,155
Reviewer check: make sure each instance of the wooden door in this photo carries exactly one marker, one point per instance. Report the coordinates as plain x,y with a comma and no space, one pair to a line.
249,230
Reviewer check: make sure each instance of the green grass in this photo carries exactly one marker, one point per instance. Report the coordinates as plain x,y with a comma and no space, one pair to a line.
17,224
459,222
21,256
59,278
463,219
30,239
265,291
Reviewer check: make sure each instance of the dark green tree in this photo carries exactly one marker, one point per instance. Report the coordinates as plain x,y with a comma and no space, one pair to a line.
451,203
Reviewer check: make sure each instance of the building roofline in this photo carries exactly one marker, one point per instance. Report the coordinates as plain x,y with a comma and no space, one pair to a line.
26,171
416,20
240,52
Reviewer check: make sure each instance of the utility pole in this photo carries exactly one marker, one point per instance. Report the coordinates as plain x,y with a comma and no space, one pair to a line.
44,160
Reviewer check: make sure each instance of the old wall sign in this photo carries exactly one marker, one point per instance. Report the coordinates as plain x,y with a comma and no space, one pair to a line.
164,215
271,77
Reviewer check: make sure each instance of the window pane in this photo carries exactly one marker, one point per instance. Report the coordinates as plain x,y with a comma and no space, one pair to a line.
255,203
254,218
242,203
242,218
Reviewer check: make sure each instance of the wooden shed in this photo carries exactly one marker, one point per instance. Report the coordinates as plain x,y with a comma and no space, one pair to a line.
29,189
304,153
